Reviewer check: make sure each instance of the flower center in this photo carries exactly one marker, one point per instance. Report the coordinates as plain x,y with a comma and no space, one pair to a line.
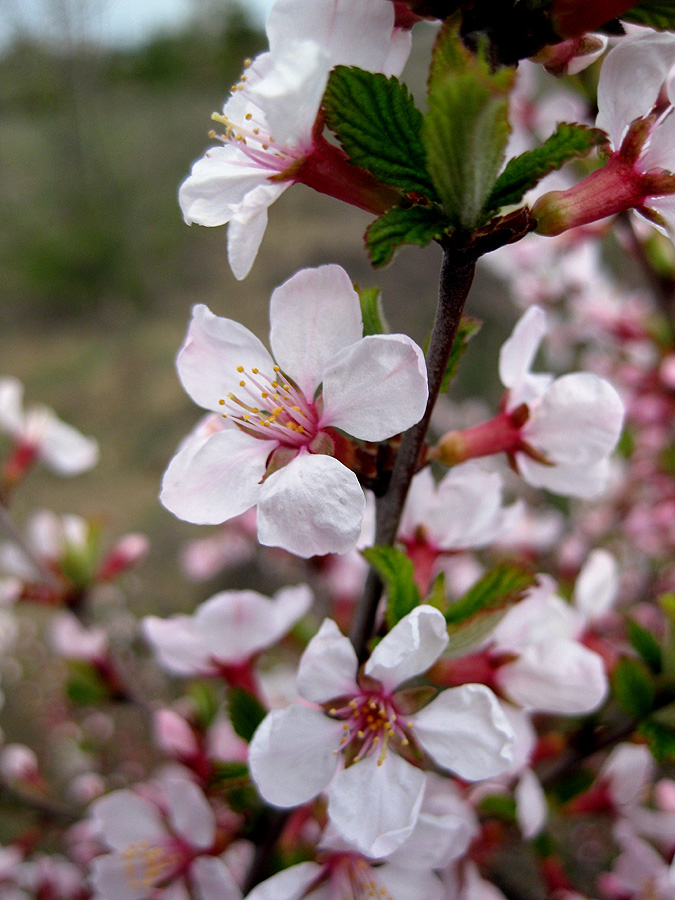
353,877
371,723
147,865
271,408
251,134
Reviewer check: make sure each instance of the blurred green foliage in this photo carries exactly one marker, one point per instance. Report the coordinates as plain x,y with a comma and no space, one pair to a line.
93,144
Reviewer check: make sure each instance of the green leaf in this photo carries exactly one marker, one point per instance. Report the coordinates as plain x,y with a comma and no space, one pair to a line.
466,636
84,684
437,595
398,574
412,225
225,774
205,703
659,14
646,645
498,806
468,328
374,321
466,129
378,125
661,740
633,687
499,588
246,712
525,171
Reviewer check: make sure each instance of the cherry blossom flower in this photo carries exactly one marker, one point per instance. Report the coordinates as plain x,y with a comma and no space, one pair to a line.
151,847
275,446
272,136
558,432
226,630
640,171
364,739
39,434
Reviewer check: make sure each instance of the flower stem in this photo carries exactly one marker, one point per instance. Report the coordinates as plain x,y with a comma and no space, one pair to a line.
456,278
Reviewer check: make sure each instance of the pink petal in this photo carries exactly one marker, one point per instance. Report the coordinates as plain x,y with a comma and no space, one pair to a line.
376,388
292,756
209,359
217,481
311,507
410,648
313,315
374,804
328,666
465,730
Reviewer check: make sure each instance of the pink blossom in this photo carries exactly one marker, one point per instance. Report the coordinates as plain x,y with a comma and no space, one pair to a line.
273,449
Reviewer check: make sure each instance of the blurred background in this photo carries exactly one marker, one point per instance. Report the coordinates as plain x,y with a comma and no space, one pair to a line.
105,105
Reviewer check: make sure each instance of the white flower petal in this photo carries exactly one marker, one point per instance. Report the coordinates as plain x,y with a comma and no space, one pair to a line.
327,668
519,350
631,77
313,315
465,730
247,226
111,881
410,648
531,805
660,152
190,813
124,818
213,879
311,507
289,884
177,644
11,405
292,756
569,481
216,481
597,585
375,806
213,350
401,883
65,450
376,388
629,768
578,421
557,676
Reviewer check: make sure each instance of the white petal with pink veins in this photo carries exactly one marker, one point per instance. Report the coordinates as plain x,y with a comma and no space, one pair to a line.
374,805
190,813
410,648
376,387
327,668
465,730
313,315
213,350
578,421
218,481
292,756
311,507
557,676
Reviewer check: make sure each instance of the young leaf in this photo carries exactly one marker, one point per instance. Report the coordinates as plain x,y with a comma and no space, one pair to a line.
414,225
569,141
661,740
466,129
374,321
633,687
468,328
84,684
378,125
658,14
646,645
497,589
246,712
398,574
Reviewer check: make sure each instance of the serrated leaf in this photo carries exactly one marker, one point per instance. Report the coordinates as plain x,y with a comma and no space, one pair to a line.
468,328
658,14
522,173
398,574
660,738
498,589
646,645
633,687
466,128
410,225
376,121
84,684
246,712
372,314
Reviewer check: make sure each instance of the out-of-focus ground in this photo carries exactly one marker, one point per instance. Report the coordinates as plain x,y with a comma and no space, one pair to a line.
98,271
